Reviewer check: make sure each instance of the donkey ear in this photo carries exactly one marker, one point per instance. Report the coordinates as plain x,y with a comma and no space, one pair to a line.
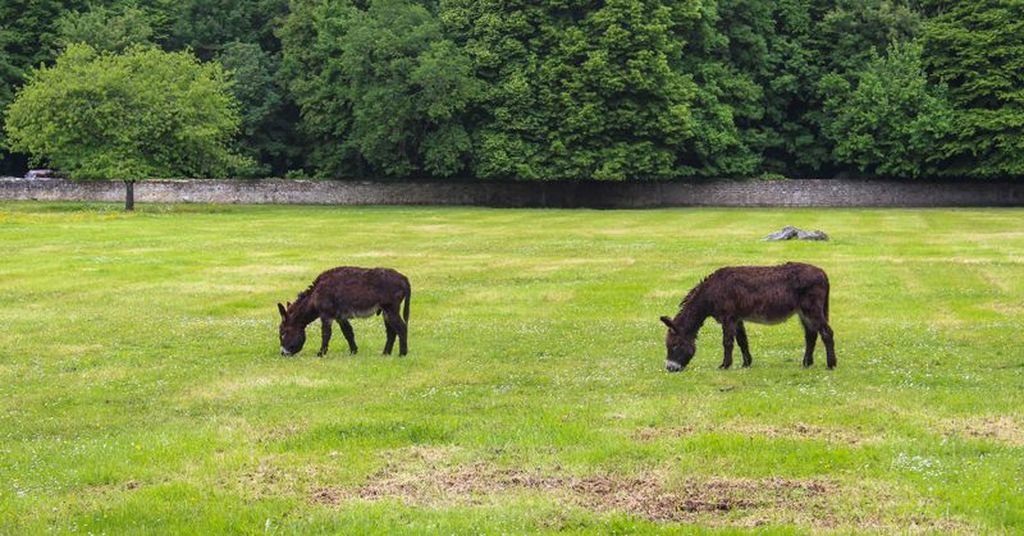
282,310
668,322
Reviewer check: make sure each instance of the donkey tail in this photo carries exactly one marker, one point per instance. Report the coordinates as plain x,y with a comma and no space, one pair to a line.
408,298
825,308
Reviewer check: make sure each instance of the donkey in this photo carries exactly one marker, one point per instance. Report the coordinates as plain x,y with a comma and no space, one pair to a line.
761,294
343,293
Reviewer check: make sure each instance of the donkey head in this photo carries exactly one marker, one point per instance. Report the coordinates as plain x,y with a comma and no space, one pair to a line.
680,347
293,333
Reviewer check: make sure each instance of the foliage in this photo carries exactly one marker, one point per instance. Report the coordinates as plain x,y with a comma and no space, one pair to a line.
977,50
207,26
138,115
592,90
382,92
891,124
267,128
106,29
575,89
27,34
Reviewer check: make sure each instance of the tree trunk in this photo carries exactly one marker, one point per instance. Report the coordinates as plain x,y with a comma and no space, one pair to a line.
129,195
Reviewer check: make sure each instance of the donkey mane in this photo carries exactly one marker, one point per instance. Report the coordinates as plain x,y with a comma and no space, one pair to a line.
301,297
304,294
693,292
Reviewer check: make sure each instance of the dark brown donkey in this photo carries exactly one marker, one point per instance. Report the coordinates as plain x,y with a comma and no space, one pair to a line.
343,293
761,294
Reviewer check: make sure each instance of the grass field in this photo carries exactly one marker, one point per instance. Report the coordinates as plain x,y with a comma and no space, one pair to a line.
141,388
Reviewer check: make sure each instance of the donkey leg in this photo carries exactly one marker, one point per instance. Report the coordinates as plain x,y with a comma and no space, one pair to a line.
390,343
325,334
389,328
403,335
741,339
810,339
728,334
396,327
830,349
350,336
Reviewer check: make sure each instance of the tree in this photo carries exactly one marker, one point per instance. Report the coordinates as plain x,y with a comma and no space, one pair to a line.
786,48
977,50
207,26
591,89
139,115
105,29
381,90
892,122
268,119
27,33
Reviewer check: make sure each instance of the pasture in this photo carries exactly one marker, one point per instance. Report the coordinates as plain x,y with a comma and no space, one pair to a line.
142,390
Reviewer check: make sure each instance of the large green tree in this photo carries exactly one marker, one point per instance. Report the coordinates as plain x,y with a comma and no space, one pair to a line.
382,92
208,26
892,121
142,114
27,39
977,50
588,89
787,48
107,29
268,118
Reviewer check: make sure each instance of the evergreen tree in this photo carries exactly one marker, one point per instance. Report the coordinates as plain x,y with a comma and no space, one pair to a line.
977,50
892,122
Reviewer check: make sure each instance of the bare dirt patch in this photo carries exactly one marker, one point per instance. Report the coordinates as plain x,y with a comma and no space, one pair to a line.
646,496
1003,429
815,504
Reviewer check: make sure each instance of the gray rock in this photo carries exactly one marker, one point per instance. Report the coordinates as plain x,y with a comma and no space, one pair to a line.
789,232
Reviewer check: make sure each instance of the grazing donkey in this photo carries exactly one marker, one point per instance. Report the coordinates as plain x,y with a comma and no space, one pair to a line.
340,294
761,294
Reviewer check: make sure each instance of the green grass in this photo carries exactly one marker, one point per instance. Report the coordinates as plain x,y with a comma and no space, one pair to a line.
141,388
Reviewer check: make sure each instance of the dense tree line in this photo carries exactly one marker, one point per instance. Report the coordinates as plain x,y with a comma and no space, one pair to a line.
546,89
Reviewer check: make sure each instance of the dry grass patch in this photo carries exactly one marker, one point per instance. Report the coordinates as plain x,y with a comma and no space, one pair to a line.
819,504
228,388
1003,429
646,496
253,270
559,296
767,431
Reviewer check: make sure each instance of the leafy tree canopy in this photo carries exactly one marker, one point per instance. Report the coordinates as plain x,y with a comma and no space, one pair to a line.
106,29
381,87
137,115
892,122
977,49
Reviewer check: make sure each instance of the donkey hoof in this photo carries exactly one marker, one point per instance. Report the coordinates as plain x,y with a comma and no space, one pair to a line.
746,365
321,354
353,352
725,366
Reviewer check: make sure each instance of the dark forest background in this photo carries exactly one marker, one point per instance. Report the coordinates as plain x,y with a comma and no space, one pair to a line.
570,89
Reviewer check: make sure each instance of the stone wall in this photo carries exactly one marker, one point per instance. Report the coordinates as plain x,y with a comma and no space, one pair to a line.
725,193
